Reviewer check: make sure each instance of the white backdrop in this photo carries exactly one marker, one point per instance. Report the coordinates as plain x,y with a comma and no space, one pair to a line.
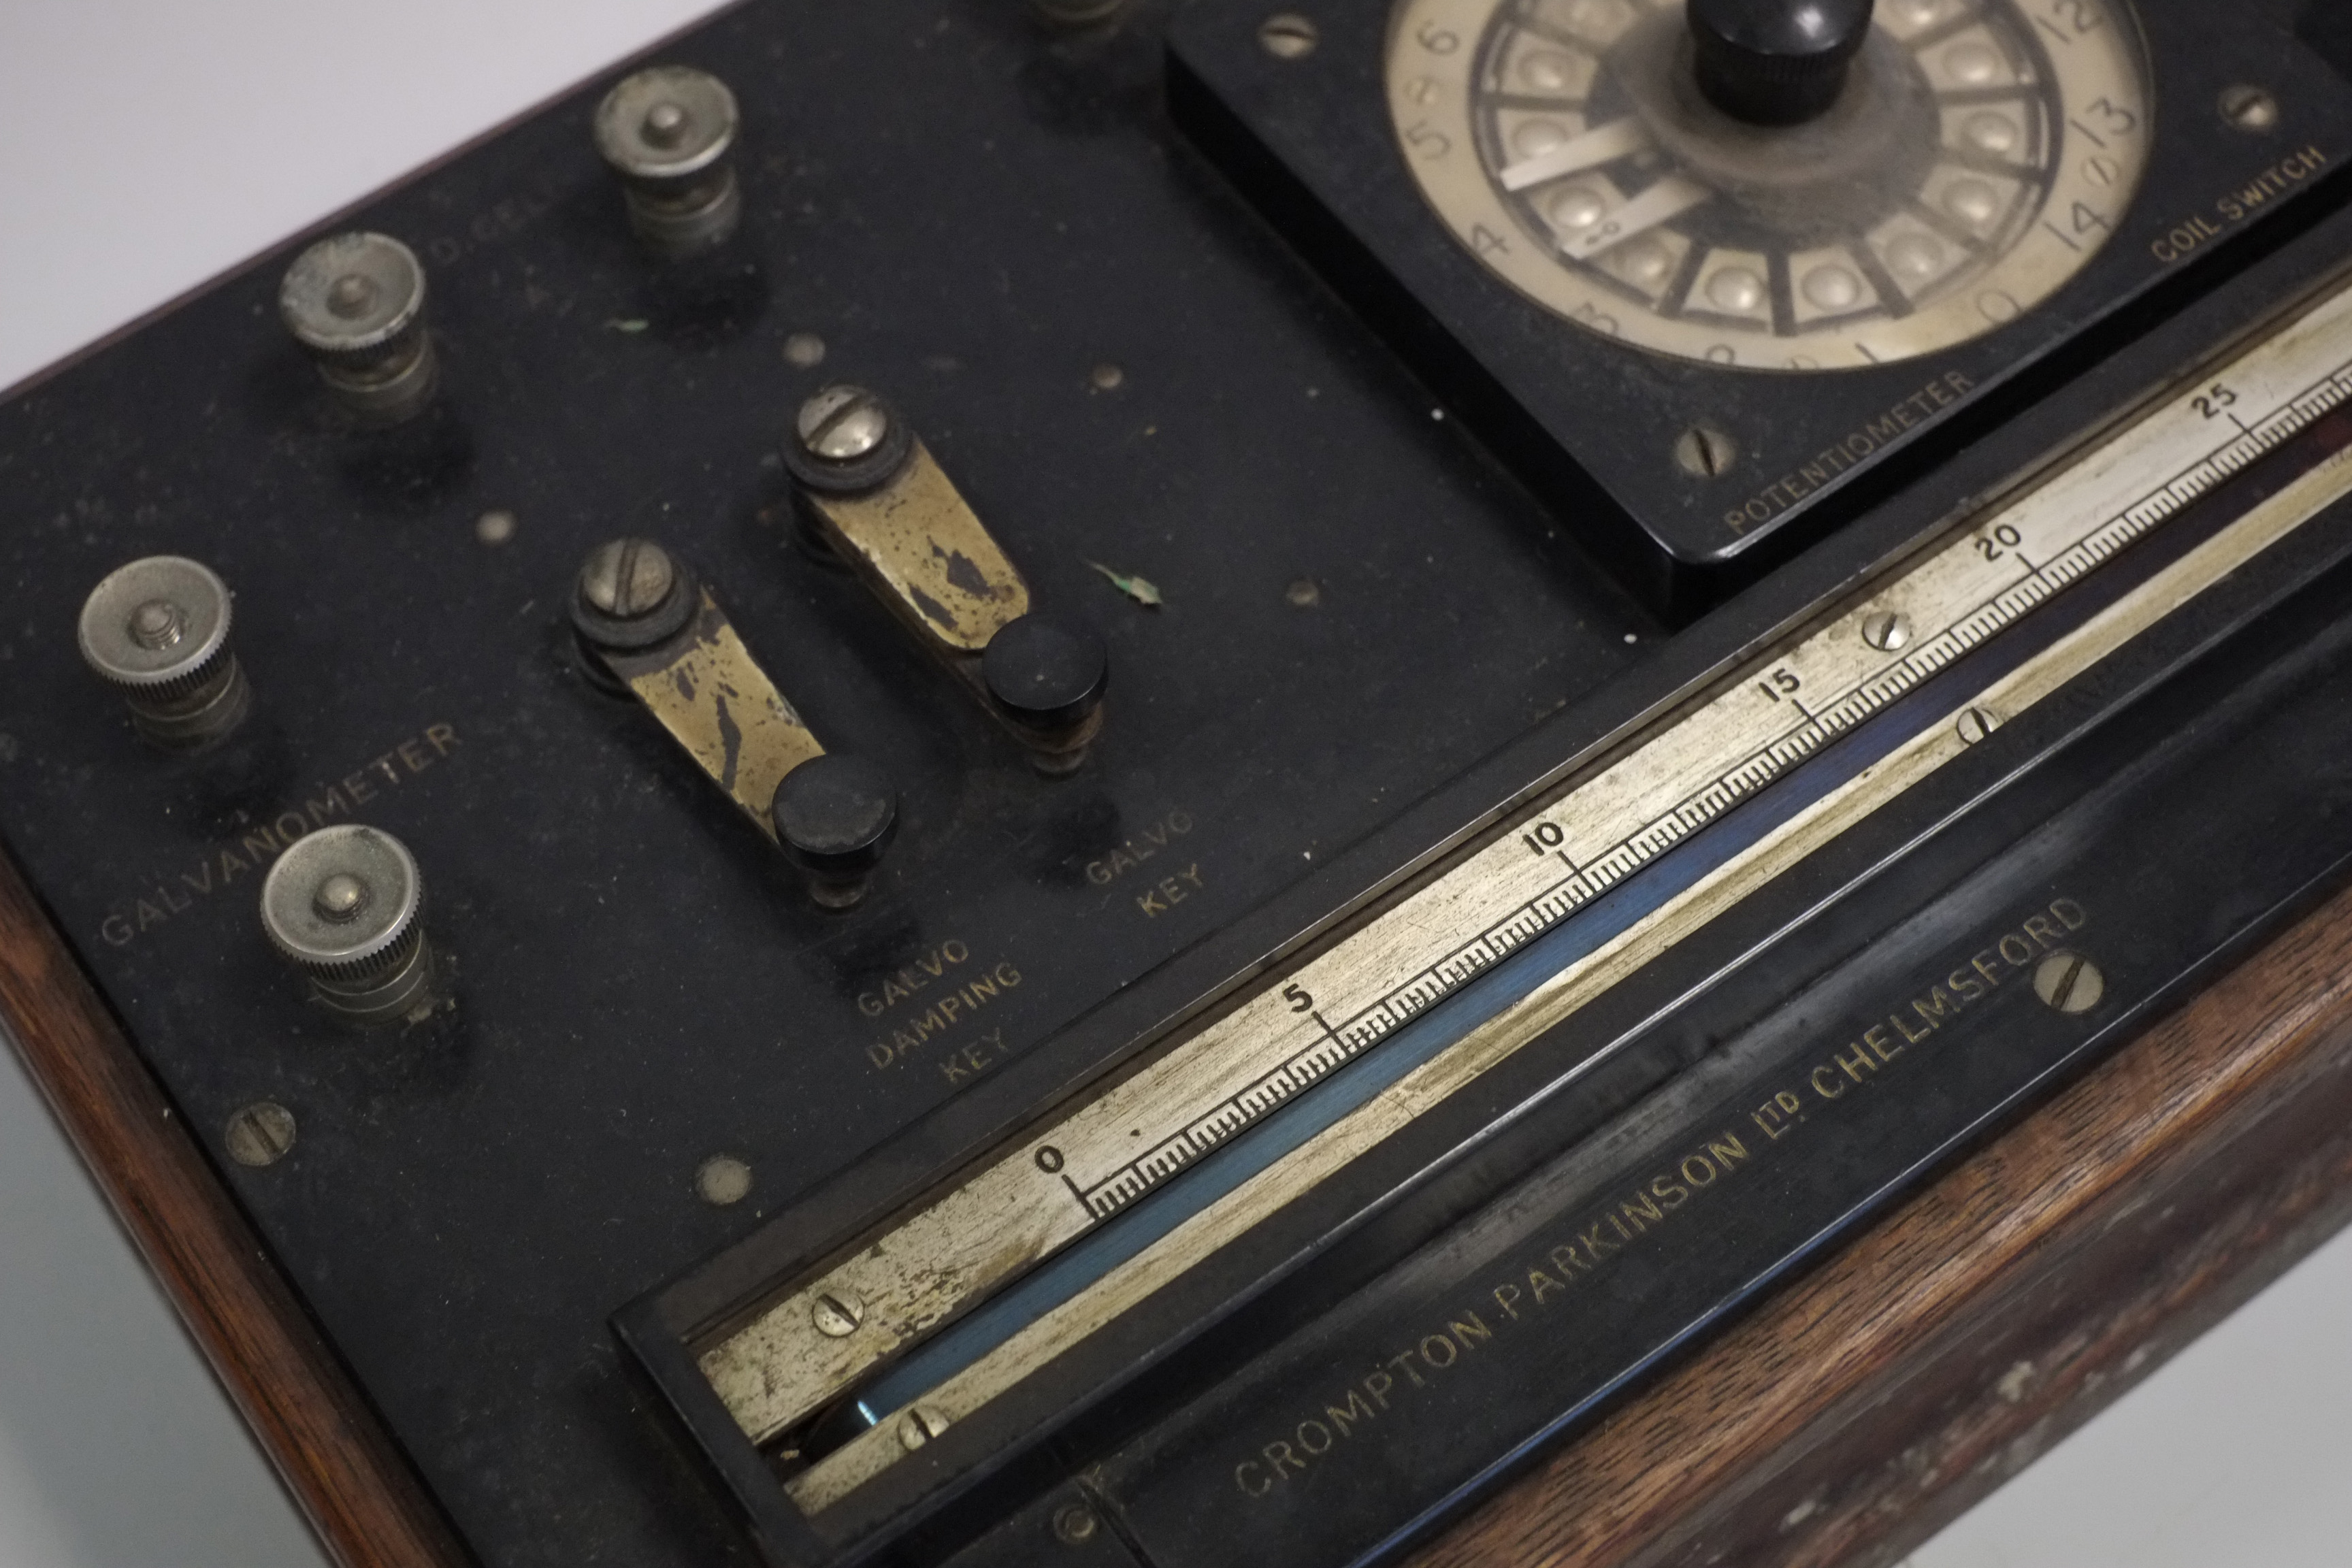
151,144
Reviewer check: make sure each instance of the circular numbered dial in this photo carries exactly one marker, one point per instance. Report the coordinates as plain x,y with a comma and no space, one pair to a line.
1980,155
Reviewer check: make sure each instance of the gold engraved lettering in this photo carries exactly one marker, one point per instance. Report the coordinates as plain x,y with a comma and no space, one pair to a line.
1528,1294
1133,852
1344,1417
1874,433
1435,1354
1859,1065
2199,230
1775,1114
1169,891
1935,1007
940,991
220,866
1641,1212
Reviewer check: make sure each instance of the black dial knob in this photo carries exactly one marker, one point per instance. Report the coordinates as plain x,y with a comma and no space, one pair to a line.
1776,62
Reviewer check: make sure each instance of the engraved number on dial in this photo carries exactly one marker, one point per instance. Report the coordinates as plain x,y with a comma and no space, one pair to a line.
1982,153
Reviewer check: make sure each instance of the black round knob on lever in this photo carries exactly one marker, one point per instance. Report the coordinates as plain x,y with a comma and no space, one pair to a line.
1047,679
834,816
1776,62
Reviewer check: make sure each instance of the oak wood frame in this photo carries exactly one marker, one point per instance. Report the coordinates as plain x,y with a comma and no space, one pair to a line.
1851,1415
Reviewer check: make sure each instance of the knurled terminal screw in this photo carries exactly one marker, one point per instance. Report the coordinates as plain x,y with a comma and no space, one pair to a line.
837,1314
843,424
356,304
669,134
1888,631
919,1426
345,906
157,631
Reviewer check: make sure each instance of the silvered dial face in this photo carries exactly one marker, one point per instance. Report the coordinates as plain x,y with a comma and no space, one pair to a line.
1981,153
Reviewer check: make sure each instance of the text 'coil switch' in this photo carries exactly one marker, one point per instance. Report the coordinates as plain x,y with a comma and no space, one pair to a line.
871,491
157,632
641,617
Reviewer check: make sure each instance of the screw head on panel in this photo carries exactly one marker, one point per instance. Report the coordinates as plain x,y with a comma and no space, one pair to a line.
919,1426
627,578
1888,631
837,1314
631,595
260,1134
1704,453
2069,983
2247,108
843,424
1287,35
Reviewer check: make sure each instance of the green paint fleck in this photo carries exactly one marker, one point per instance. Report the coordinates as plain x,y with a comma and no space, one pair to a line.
634,324
1135,588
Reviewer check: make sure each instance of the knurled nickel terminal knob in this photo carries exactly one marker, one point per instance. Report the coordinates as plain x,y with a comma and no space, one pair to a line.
1776,62
345,905
157,631
669,134
356,304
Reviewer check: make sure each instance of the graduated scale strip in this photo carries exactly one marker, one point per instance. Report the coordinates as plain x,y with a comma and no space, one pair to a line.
1342,1043
1037,1196
1092,1303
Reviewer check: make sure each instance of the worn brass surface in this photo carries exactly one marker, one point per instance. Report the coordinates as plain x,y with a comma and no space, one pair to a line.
717,702
918,544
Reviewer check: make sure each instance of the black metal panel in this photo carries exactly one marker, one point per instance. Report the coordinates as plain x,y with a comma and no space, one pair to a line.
973,213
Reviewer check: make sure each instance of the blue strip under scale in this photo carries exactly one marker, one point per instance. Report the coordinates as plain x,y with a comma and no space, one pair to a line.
1152,1217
